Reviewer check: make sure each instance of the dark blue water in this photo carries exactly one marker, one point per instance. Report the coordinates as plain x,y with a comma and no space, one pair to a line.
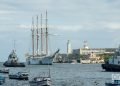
64,74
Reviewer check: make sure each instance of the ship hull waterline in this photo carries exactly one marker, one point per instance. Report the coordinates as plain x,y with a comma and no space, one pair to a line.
111,67
14,64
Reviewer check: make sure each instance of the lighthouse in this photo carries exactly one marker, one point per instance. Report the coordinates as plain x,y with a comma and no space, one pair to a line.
69,48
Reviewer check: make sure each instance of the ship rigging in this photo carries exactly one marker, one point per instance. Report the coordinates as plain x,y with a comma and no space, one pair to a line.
43,57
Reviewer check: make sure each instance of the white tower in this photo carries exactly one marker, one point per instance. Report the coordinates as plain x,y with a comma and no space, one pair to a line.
69,48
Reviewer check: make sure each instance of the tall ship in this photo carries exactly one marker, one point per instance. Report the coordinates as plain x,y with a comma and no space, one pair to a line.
40,40
13,61
113,64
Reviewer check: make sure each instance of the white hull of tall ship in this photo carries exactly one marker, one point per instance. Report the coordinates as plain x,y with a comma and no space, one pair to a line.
40,60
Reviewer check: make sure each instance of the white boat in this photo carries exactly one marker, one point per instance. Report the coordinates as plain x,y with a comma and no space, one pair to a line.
4,70
73,62
19,76
40,58
40,81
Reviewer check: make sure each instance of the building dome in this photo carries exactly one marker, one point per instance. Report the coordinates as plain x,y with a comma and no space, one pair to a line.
85,45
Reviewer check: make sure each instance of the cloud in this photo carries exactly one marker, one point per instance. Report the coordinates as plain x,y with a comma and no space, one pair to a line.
113,26
89,26
70,28
6,12
24,26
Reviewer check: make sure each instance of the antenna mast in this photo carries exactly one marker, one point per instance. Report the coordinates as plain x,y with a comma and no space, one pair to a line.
14,46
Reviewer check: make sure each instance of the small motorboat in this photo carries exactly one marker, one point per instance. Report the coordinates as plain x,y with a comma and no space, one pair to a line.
19,76
40,81
4,70
2,80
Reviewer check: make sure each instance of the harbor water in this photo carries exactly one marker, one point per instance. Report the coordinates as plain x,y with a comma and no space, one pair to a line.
64,74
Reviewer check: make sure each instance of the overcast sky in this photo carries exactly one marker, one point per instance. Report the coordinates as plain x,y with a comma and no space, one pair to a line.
97,21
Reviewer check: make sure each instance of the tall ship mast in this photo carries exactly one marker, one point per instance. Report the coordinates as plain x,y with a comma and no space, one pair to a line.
37,31
46,35
33,31
41,36
40,58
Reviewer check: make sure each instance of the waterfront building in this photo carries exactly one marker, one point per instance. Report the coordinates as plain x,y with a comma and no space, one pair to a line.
83,51
86,50
91,55
92,58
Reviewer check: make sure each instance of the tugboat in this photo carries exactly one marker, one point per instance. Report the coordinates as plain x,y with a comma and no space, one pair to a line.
13,61
5,70
113,64
19,76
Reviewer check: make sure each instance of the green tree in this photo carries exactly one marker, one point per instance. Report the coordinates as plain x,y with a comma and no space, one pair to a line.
105,56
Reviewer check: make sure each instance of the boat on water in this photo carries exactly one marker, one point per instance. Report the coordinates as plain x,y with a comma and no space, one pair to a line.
113,64
4,70
19,76
43,57
41,60
73,62
2,80
41,80
13,61
114,83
